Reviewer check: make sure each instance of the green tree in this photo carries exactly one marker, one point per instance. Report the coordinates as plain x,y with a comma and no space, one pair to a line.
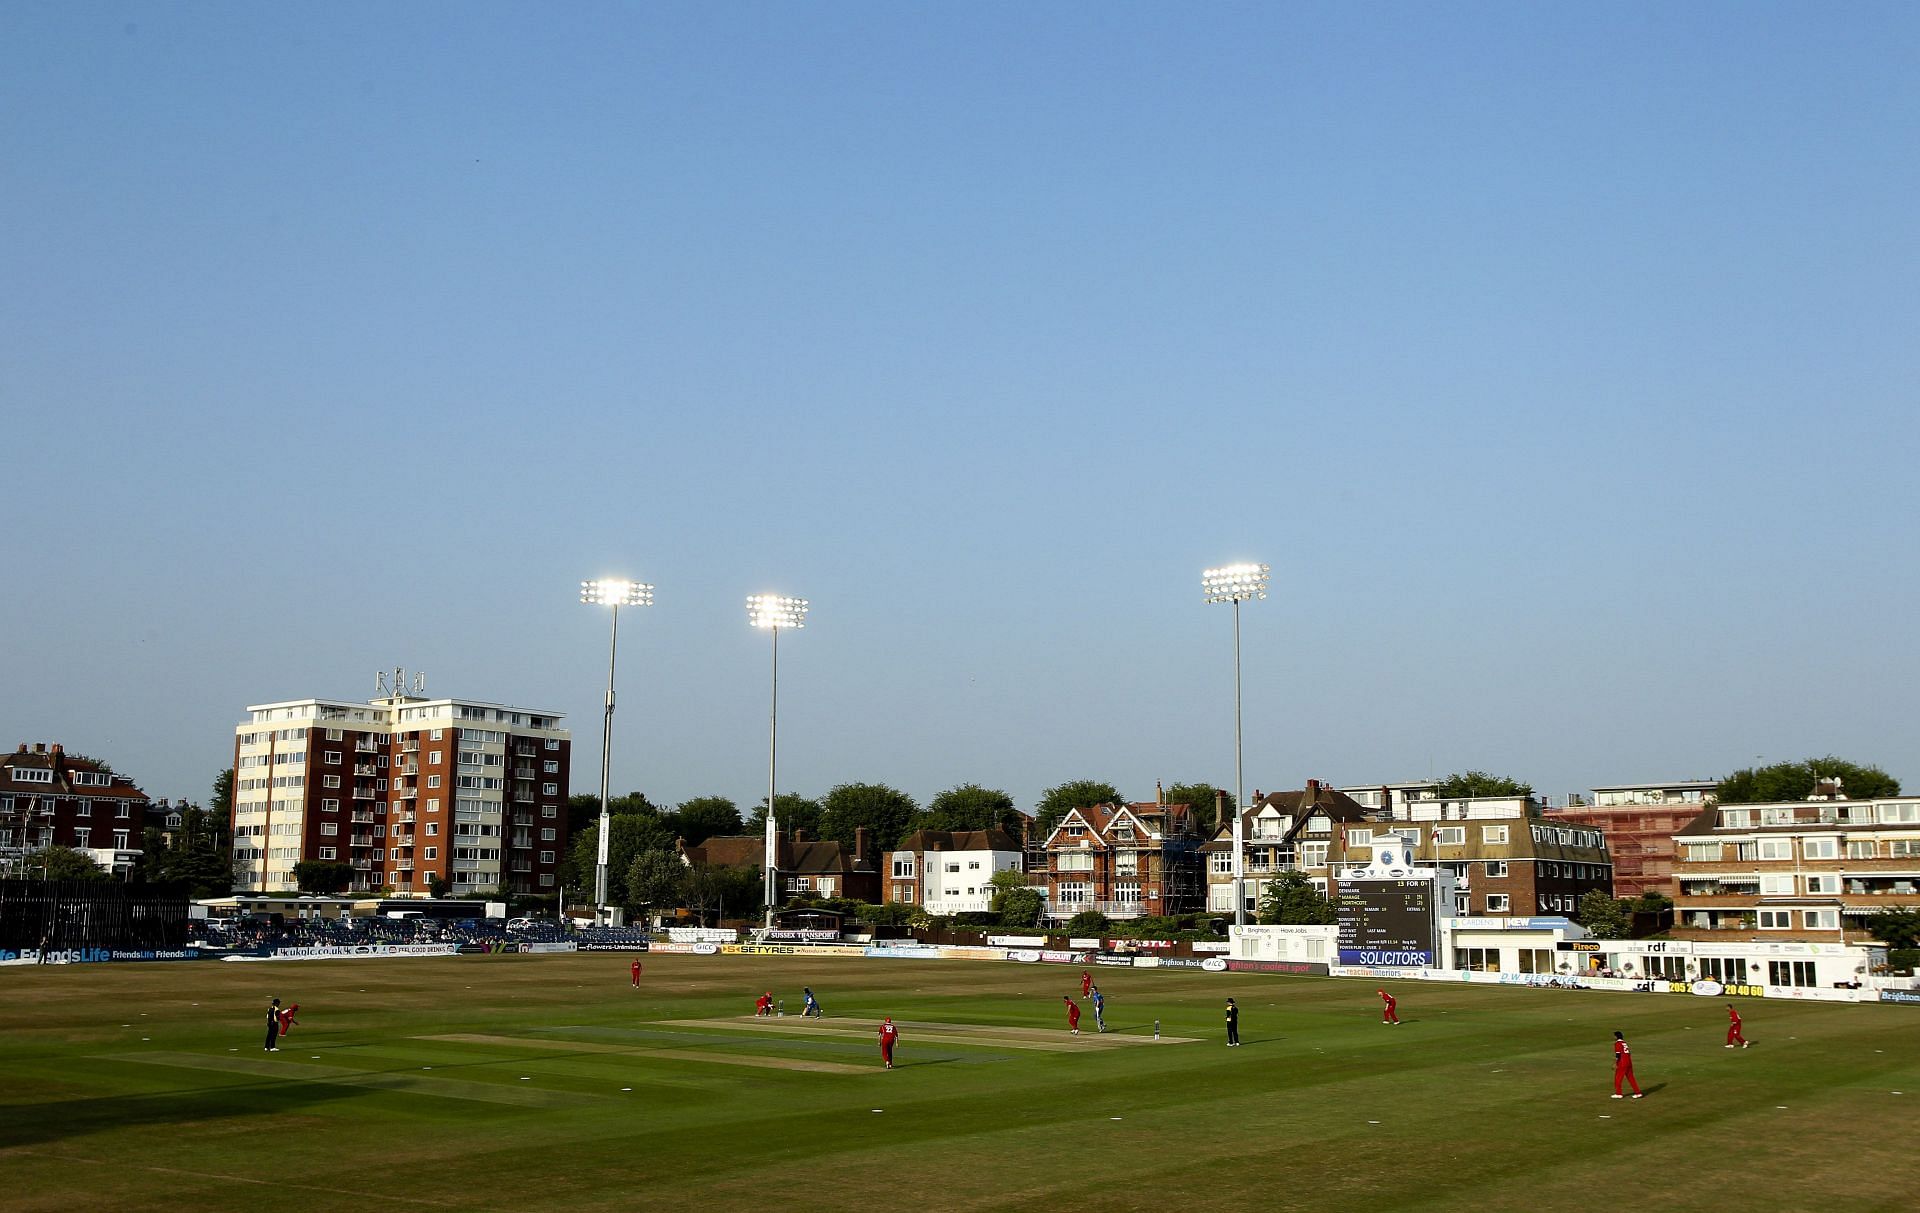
1087,923
657,879
1604,916
222,803
438,886
969,807
1784,781
792,811
1056,802
583,808
886,813
720,893
1292,899
1020,907
63,863
705,817
1464,784
1201,797
1897,928
1003,882
631,834
323,876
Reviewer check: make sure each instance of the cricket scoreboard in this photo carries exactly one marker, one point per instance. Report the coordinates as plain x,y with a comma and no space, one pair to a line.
1390,923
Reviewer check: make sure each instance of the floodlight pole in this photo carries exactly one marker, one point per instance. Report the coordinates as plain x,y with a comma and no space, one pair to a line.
1233,583
606,762
773,757
773,612
616,593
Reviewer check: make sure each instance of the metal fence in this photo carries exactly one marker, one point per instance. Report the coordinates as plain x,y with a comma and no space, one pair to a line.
67,914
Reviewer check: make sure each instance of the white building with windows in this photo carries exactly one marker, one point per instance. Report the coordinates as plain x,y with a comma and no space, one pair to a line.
949,871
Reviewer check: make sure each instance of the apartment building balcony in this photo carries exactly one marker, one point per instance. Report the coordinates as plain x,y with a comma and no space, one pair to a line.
363,746
523,798
363,865
409,747
366,770
523,773
523,819
401,817
363,815
522,869
475,865
406,793
1121,909
360,793
524,751
410,769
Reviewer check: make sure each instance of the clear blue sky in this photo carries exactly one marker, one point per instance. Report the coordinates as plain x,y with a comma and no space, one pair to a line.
1560,359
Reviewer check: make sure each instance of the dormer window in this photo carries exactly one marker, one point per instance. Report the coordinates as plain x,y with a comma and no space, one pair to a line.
1074,831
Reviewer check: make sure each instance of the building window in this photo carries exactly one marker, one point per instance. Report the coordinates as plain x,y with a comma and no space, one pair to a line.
82,836
1493,834
1497,903
1820,920
903,893
433,852
1496,871
1222,863
903,866
1776,848
1862,848
434,736
32,775
329,853
120,840
433,781
553,743
550,767
1075,893
550,789
549,811
546,857
1127,892
1821,848
1776,885
329,827
953,867
546,835
1776,920
1449,836
1477,960
1790,973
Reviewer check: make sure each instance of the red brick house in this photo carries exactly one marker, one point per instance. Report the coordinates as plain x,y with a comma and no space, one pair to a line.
1125,861
49,798
804,866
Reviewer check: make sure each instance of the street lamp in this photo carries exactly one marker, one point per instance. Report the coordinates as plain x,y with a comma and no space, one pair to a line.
773,612
1234,583
614,592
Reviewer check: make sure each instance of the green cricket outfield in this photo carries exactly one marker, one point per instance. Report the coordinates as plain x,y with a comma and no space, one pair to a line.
547,1082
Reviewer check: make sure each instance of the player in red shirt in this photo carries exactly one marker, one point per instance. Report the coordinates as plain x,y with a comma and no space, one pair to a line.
1086,983
1073,1013
1623,1067
1734,1036
287,1019
763,1005
1387,1013
636,974
888,1034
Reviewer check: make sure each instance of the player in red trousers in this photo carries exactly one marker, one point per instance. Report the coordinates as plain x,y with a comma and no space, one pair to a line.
1086,983
636,974
287,1019
1735,1039
1073,1013
888,1034
1623,1067
1387,1012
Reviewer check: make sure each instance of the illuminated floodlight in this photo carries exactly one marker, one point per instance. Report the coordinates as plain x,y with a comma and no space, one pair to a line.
776,611
617,592
1235,583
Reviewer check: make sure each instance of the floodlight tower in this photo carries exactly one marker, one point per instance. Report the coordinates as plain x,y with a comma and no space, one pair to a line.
773,612
1235,583
615,592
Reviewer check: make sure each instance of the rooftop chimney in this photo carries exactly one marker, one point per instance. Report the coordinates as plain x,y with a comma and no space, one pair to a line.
800,835
860,842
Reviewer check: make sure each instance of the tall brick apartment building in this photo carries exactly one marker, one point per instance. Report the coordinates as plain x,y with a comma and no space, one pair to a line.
1640,821
405,789
50,798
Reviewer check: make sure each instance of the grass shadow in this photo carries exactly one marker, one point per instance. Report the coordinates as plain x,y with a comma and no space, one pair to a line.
39,1124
